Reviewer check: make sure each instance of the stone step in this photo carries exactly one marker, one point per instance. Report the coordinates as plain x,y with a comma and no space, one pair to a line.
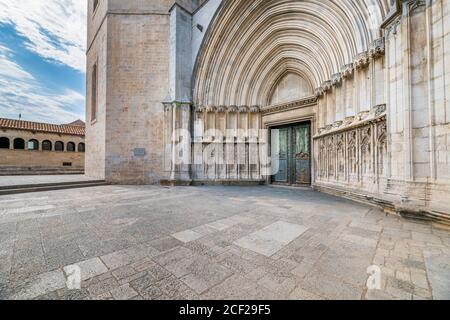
21,171
17,189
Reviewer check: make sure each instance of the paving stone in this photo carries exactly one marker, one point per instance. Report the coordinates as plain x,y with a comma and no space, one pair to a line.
66,294
429,238
302,269
165,244
153,293
103,296
366,226
271,239
42,284
103,286
330,287
238,287
127,256
124,272
176,289
419,279
282,286
438,269
177,261
301,294
202,275
142,283
88,268
187,236
378,295
206,249
124,292
360,240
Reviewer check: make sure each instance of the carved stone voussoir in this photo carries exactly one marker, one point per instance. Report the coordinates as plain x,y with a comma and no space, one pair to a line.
221,109
255,109
377,48
289,106
243,109
211,108
379,110
327,85
232,109
362,60
318,92
336,79
347,70
200,109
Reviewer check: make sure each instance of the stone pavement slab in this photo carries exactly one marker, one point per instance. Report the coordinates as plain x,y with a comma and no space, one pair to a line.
271,239
438,267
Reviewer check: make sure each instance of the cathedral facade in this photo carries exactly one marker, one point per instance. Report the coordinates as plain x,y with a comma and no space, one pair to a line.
349,97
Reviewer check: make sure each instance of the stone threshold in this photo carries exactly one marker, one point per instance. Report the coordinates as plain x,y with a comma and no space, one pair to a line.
437,218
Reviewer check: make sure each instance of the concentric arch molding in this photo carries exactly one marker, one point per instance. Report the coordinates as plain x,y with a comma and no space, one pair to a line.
282,107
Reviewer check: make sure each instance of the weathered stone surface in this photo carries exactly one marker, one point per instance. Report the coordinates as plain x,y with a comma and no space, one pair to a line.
187,236
327,261
42,284
438,269
271,239
89,268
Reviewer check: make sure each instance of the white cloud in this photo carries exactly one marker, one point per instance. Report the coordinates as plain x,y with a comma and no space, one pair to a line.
20,93
55,29
9,69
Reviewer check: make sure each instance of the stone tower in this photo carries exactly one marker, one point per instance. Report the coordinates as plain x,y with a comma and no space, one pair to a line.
129,74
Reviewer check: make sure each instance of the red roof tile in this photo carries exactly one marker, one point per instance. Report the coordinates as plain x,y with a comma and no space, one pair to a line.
42,127
78,122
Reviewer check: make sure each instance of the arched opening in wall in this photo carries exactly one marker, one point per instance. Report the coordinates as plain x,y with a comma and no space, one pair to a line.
59,146
71,147
19,144
33,144
47,145
4,143
81,147
290,87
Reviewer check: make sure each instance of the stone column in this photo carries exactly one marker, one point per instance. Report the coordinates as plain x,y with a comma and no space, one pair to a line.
179,118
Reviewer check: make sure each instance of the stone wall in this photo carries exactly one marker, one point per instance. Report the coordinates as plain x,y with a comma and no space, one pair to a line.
44,160
96,55
26,159
410,165
131,45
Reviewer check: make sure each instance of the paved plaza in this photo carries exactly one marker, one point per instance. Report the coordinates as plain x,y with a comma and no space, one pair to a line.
147,242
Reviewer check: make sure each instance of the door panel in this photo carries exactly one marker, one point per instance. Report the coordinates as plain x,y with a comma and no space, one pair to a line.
282,155
293,151
302,154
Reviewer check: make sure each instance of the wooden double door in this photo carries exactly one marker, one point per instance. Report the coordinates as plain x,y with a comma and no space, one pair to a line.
291,151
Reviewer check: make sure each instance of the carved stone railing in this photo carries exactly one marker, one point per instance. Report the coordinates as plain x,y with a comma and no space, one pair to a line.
354,150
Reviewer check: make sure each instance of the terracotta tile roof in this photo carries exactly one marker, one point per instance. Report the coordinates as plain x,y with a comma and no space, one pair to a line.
42,127
78,122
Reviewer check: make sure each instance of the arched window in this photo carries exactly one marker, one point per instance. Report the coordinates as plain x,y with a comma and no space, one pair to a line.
59,146
4,143
71,147
47,145
81,147
19,144
33,144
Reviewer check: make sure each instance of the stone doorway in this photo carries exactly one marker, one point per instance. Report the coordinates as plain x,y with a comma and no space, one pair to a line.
291,145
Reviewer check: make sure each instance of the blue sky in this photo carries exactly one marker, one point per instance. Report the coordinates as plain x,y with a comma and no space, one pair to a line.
42,60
